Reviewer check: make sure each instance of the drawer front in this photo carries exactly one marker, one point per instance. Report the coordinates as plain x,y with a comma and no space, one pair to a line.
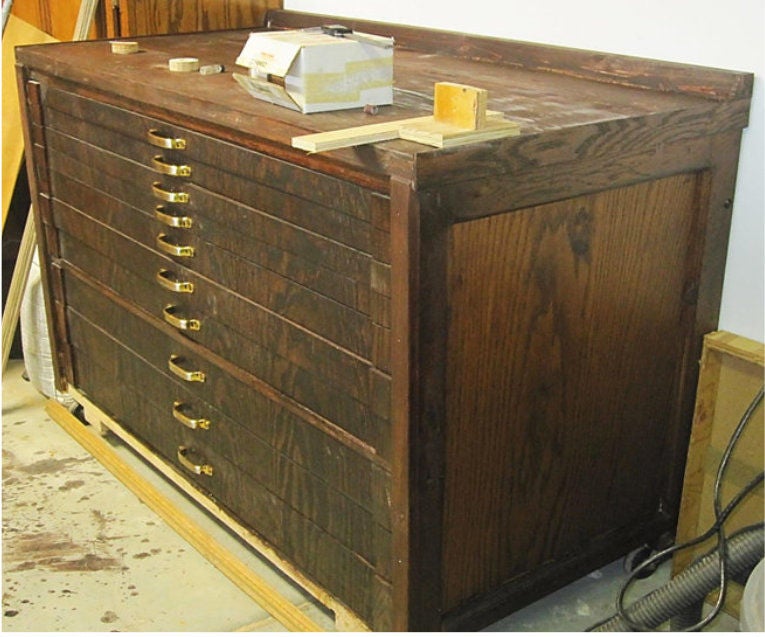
321,556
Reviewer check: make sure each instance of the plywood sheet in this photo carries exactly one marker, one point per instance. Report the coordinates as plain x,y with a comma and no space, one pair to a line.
17,32
730,376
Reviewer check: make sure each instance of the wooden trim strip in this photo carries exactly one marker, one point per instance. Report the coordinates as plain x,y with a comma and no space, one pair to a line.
253,585
607,68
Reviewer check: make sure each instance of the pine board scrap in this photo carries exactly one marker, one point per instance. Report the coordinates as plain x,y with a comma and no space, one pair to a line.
460,105
424,130
258,589
17,32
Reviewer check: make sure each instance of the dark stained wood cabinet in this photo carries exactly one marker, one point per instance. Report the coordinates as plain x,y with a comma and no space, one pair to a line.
436,383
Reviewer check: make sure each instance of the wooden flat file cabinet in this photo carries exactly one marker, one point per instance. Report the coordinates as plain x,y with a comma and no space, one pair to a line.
436,384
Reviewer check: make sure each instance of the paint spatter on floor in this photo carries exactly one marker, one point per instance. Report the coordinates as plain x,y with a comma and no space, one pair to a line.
71,484
49,551
57,466
109,617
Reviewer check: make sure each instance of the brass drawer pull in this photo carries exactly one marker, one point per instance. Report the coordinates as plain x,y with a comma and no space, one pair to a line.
156,139
166,280
191,423
189,325
168,195
173,221
174,170
172,249
184,374
199,469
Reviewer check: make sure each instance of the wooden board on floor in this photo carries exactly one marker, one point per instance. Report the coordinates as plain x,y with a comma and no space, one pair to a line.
345,619
258,589
731,373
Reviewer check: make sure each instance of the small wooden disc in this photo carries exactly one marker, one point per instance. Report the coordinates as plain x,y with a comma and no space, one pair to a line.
183,65
124,48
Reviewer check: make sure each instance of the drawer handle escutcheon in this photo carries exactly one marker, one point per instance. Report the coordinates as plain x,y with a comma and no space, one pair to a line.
173,249
189,325
167,195
173,221
156,139
199,469
191,423
184,374
166,280
174,170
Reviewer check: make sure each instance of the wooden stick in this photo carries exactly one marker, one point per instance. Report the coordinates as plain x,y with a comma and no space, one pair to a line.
258,589
12,308
85,19
354,136
386,131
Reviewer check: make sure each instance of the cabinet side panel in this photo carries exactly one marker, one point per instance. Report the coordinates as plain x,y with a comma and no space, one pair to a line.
568,323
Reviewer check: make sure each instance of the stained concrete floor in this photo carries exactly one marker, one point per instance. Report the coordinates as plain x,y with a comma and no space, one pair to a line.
81,553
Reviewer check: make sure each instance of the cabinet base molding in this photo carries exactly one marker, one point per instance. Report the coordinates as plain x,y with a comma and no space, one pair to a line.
286,613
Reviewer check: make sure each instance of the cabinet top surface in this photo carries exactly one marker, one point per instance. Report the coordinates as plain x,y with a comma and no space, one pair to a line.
544,89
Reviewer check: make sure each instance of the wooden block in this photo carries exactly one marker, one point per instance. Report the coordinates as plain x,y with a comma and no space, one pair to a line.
460,105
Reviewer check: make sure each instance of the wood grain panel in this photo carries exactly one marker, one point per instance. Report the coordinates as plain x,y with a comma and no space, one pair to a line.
566,336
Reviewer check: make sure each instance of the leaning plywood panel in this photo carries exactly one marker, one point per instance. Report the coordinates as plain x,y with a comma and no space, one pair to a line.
731,375
17,32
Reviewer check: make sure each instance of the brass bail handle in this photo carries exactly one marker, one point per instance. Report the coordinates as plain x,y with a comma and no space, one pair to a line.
187,421
190,376
200,469
155,138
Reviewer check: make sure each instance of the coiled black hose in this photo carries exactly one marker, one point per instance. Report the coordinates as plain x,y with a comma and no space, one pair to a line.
744,550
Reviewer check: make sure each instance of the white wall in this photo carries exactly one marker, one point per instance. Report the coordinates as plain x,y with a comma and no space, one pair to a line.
726,34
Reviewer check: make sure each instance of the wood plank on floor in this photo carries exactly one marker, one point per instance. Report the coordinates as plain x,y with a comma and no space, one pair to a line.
272,602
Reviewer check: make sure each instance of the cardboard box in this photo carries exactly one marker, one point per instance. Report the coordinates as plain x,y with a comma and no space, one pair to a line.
311,70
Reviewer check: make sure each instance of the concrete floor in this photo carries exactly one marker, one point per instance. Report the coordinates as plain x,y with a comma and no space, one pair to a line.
81,553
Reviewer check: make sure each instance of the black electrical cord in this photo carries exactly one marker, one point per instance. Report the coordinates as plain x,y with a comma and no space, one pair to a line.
717,528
